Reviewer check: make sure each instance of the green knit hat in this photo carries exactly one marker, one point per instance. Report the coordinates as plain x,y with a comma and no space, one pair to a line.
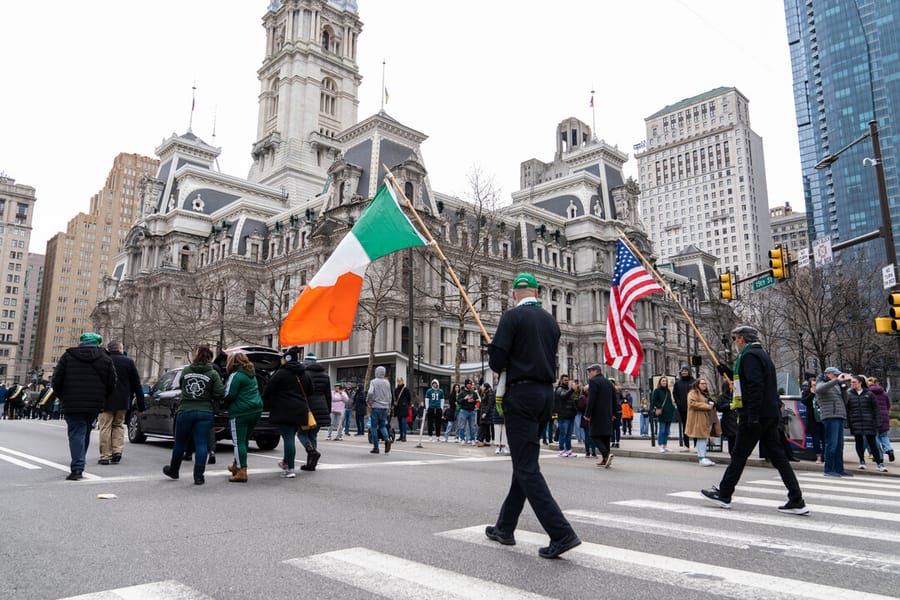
89,337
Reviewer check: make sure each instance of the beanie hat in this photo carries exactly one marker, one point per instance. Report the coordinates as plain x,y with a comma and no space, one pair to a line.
91,338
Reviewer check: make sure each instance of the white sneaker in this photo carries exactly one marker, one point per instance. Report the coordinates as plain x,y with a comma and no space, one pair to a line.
882,468
497,451
562,453
288,474
705,462
862,466
662,450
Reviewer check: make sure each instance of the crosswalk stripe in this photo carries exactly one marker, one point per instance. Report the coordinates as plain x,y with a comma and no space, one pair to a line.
160,590
744,541
828,497
17,462
728,582
409,463
887,483
859,513
835,488
45,462
392,576
781,521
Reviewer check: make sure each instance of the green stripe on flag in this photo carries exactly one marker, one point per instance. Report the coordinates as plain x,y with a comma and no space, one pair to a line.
383,228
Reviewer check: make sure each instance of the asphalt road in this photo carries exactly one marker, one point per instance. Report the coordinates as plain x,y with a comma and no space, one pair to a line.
409,524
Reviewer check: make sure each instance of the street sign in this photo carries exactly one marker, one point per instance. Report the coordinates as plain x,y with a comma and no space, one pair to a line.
764,281
888,277
803,257
822,251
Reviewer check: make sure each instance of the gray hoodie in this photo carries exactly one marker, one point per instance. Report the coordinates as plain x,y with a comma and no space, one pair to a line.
380,394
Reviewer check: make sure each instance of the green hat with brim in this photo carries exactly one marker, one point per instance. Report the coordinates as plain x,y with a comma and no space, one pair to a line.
525,280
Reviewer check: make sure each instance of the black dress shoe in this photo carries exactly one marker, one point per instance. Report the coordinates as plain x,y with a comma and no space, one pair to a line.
492,533
116,458
103,461
558,547
74,475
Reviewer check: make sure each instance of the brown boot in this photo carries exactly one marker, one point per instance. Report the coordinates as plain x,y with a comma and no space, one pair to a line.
240,476
233,468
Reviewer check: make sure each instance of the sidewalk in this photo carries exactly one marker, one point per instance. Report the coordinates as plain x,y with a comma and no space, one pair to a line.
638,447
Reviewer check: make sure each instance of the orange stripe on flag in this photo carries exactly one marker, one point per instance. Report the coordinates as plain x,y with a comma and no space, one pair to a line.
323,314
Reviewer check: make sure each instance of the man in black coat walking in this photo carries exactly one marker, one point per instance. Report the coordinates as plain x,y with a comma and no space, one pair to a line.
600,411
525,347
111,422
83,379
755,396
680,393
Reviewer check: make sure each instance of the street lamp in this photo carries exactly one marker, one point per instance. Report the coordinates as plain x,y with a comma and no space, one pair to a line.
665,368
221,302
886,230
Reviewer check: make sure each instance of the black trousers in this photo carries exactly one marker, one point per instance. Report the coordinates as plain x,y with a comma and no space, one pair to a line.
526,410
433,418
765,433
602,444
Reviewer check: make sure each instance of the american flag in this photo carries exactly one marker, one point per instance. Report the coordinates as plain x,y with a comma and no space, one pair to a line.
631,282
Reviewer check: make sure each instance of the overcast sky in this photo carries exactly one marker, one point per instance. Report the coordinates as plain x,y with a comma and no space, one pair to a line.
487,81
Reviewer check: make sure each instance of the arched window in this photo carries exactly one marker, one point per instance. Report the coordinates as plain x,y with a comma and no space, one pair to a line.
409,191
326,39
272,107
328,97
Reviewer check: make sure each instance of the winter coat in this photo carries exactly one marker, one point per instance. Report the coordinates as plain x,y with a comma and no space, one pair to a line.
286,400
759,385
359,401
729,416
830,396
564,402
83,378
884,407
863,415
128,385
601,406
339,400
808,399
662,398
698,417
320,399
242,395
200,387
680,390
402,399
488,406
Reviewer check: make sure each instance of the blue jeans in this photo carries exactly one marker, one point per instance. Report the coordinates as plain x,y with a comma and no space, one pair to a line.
79,429
401,423
565,433
645,424
348,414
379,425
287,438
664,428
579,430
307,437
834,446
466,421
884,442
196,425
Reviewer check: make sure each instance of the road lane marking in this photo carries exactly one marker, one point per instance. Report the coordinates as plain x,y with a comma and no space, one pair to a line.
657,568
160,590
857,513
888,483
779,491
875,561
395,577
822,485
45,462
17,462
780,521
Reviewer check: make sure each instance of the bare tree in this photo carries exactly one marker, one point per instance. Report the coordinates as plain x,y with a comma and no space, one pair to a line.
381,298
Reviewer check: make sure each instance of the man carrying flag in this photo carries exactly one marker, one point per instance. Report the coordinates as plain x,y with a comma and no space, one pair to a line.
631,282
327,306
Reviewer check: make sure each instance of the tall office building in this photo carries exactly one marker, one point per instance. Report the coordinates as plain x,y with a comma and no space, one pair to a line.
78,260
703,181
16,211
788,228
845,56
34,281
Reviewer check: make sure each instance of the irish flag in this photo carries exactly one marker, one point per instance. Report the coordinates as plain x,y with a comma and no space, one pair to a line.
327,306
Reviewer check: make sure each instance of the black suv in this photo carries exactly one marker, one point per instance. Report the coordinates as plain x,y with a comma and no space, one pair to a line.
161,403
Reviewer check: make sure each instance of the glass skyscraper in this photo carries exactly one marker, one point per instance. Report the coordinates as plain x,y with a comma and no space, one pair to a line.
845,56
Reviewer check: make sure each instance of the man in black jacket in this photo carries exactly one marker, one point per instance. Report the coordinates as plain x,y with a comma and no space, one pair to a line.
82,380
525,347
755,396
111,422
680,393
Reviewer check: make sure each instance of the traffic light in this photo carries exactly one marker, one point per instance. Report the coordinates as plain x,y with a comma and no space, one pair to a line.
726,282
778,263
890,324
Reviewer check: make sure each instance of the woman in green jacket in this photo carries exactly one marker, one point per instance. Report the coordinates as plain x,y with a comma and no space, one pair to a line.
244,409
663,407
200,386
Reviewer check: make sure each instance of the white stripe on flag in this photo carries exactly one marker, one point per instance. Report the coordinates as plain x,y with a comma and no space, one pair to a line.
668,570
395,577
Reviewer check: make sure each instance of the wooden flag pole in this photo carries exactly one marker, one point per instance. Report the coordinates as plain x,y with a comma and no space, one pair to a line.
665,285
432,242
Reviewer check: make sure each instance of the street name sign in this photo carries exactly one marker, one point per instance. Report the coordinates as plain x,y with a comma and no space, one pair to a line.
764,281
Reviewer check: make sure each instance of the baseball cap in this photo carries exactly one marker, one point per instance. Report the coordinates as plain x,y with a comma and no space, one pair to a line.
525,280
595,367
467,382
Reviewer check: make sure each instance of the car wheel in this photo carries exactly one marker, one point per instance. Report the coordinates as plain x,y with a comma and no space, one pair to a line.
135,435
268,442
